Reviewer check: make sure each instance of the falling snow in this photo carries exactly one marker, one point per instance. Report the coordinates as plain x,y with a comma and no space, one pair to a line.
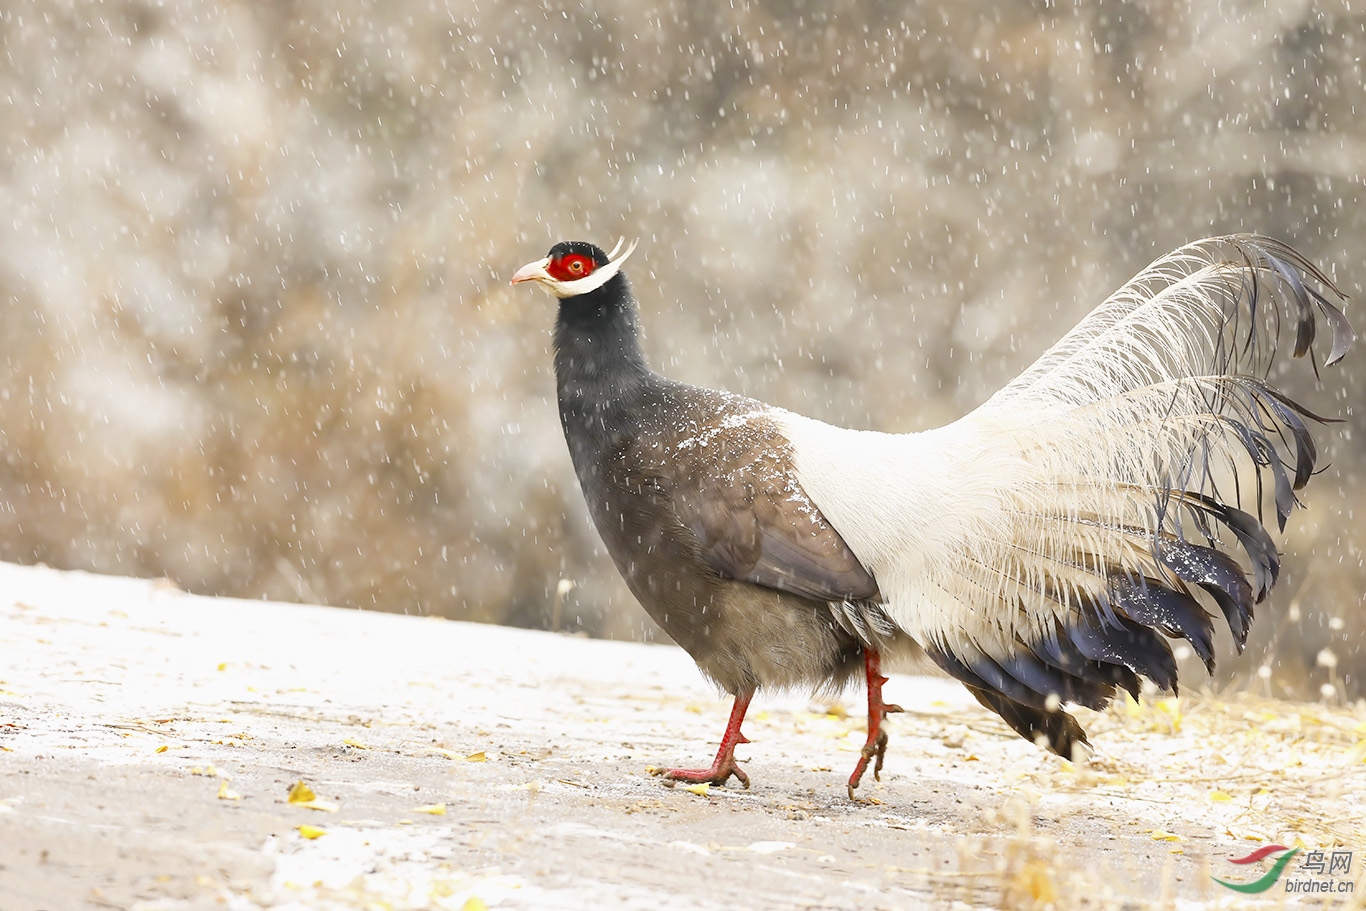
258,335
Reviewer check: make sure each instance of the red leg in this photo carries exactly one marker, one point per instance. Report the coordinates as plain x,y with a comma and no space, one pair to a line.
724,765
876,744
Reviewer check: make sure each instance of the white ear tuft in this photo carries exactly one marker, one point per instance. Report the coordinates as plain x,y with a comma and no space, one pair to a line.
599,277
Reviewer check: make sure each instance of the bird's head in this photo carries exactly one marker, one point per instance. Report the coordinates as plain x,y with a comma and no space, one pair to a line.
575,267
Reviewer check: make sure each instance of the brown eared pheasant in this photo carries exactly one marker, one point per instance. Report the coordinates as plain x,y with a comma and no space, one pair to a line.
1044,549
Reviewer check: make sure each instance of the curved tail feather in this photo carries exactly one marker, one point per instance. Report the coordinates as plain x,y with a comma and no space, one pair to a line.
1046,547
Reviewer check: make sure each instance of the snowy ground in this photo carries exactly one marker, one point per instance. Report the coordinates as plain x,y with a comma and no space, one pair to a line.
149,741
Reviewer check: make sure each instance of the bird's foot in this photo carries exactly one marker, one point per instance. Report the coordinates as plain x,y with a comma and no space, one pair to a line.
875,748
724,765
718,773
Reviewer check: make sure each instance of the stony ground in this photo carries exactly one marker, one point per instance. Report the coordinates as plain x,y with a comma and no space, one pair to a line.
150,741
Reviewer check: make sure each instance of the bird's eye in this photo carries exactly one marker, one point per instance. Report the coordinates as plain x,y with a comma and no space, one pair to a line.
571,266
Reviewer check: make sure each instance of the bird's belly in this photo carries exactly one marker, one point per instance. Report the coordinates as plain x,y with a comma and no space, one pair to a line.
744,637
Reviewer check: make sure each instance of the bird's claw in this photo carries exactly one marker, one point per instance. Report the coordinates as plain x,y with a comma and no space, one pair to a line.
873,749
881,751
870,800
718,774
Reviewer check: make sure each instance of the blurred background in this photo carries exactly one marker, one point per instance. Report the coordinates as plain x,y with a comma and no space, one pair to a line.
258,336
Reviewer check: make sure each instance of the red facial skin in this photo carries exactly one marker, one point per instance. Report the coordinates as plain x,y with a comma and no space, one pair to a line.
570,267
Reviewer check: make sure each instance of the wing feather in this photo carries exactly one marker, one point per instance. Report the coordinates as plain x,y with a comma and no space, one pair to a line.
740,497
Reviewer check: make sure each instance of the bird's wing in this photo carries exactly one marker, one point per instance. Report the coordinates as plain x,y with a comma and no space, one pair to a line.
1045,547
734,488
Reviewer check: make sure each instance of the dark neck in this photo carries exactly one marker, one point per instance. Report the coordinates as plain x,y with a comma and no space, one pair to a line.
599,367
